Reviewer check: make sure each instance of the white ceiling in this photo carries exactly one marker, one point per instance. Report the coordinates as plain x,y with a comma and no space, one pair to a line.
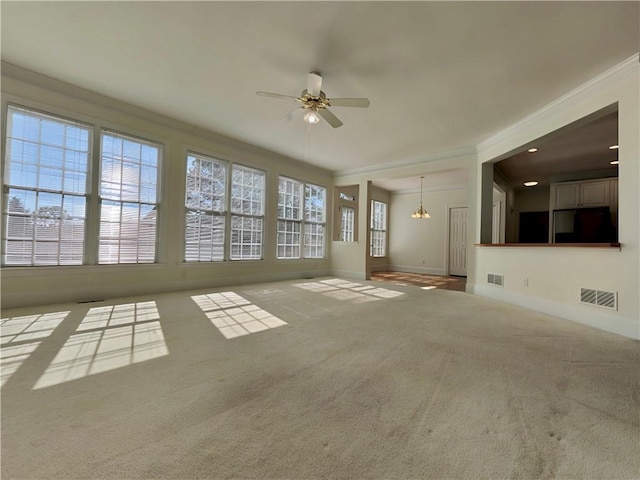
578,150
439,180
440,75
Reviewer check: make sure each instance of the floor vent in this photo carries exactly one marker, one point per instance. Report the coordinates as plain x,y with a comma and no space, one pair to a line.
495,279
599,297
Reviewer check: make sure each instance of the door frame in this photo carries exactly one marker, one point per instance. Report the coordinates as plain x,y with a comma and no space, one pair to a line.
447,229
502,205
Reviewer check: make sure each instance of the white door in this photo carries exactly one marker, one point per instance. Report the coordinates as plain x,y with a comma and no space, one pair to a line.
458,241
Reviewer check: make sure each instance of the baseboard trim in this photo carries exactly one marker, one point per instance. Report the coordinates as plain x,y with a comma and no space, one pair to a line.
411,269
119,291
348,274
585,315
246,279
380,268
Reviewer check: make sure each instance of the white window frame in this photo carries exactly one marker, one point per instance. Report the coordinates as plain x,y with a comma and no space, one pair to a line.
130,199
240,213
347,223
52,227
309,228
93,203
212,215
290,208
378,247
314,223
245,223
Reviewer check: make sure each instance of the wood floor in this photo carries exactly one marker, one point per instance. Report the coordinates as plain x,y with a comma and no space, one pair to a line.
422,280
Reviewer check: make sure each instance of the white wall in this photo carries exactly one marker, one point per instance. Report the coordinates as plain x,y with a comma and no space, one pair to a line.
555,274
352,260
420,245
535,199
41,285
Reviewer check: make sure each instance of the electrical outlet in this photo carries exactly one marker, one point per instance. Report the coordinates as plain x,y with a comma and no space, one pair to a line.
526,282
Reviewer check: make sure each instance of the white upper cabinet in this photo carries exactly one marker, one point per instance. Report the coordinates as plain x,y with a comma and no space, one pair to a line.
594,194
566,195
589,193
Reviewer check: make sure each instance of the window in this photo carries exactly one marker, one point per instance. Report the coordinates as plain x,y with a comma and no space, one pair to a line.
378,229
247,213
206,204
301,219
218,215
314,218
347,224
129,200
289,217
47,160
49,205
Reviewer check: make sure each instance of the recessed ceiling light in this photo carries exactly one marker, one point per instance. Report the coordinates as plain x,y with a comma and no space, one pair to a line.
530,184
613,147
532,150
614,162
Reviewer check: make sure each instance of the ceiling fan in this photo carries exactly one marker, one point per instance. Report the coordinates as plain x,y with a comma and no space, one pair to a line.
315,102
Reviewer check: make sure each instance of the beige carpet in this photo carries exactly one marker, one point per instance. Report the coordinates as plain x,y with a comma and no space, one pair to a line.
318,379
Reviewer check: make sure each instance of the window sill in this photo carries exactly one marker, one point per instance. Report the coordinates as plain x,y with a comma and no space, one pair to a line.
613,245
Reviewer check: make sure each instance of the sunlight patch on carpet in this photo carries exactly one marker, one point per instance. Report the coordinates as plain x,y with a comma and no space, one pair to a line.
17,335
235,316
112,337
348,291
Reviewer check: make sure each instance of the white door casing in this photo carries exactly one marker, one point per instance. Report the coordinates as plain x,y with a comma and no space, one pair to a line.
497,222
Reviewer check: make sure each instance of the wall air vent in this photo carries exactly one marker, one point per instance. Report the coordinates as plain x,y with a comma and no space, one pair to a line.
599,298
495,279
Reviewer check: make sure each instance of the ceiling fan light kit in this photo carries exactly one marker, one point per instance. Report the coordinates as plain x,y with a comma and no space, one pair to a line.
315,102
311,117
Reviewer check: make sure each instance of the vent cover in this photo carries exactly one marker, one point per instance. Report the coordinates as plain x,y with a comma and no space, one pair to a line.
599,298
495,279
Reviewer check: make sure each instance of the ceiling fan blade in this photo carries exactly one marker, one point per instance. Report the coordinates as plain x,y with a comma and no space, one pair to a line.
289,116
330,118
314,84
349,102
276,95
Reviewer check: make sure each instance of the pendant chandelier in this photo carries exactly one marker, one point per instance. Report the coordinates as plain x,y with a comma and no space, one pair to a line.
421,212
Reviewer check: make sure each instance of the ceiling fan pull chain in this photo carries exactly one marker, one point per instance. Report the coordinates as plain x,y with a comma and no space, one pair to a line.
307,143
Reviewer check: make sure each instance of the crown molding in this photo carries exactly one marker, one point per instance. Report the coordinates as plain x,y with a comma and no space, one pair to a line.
443,188
610,77
388,167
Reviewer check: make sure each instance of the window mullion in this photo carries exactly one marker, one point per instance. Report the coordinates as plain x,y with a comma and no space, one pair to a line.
35,229
94,201
227,216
